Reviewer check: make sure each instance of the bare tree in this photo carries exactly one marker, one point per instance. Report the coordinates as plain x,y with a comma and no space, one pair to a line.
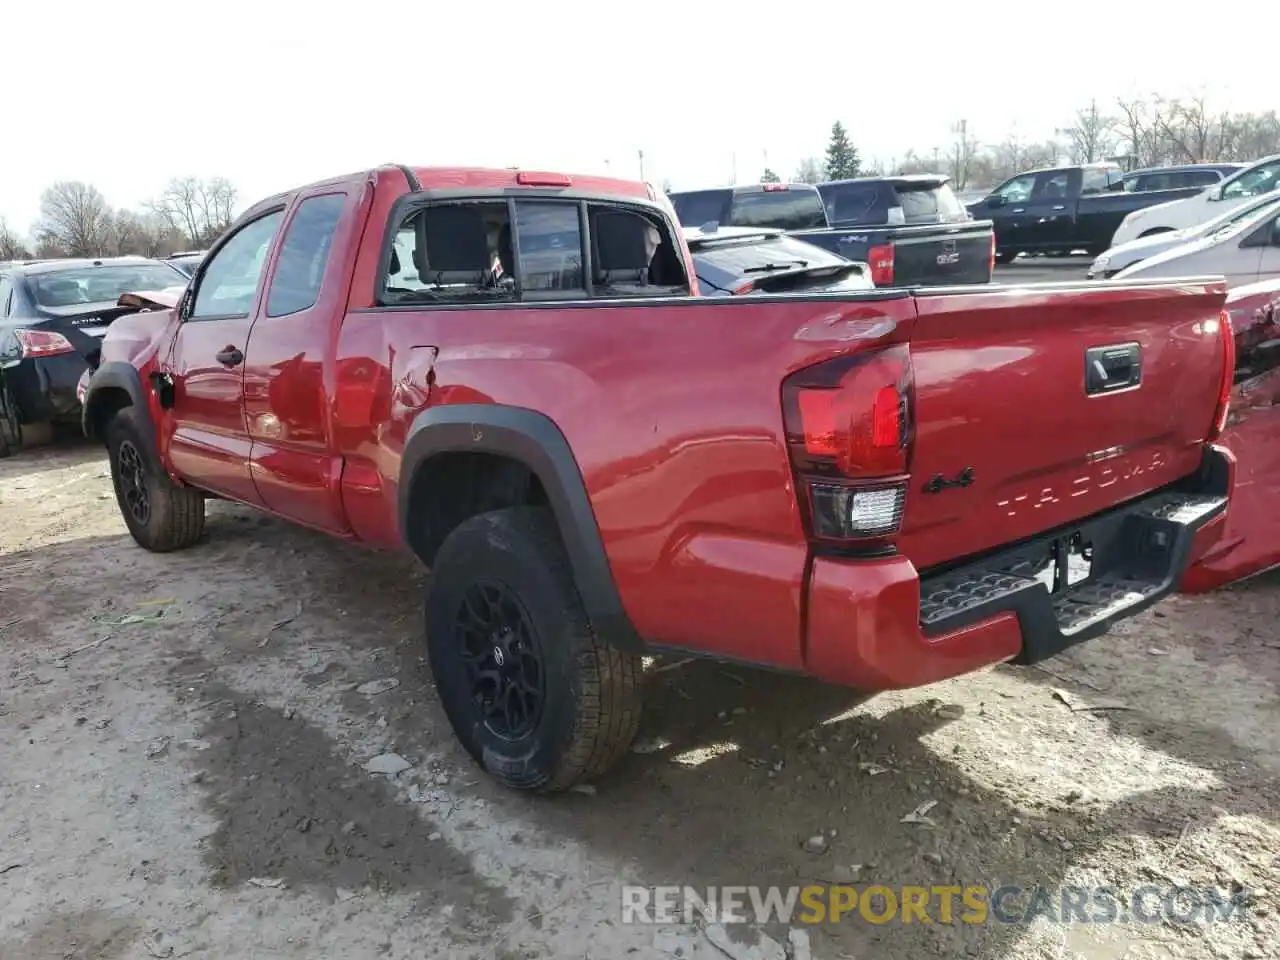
200,210
75,217
1092,136
809,171
960,158
11,245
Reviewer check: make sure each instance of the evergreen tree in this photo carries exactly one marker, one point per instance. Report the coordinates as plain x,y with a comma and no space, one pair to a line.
842,156
769,176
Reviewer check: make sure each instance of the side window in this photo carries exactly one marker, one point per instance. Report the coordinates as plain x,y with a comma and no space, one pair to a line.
1052,186
231,278
295,285
1200,178
1254,183
1018,189
550,244
6,295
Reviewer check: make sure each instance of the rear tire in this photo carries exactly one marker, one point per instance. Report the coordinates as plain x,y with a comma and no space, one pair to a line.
160,515
1005,256
505,626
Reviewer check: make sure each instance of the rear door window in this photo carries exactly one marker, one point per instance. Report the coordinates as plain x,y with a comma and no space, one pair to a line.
789,208
295,285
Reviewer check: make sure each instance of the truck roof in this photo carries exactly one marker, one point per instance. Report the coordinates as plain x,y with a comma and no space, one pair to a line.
923,179
479,178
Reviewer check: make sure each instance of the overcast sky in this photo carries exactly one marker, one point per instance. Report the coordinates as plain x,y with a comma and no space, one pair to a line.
275,93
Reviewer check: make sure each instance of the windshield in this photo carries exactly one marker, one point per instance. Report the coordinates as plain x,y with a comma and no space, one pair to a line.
1237,215
76,285
726,264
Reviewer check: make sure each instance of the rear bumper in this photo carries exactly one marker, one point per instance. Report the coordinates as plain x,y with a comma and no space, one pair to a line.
45,387
878,625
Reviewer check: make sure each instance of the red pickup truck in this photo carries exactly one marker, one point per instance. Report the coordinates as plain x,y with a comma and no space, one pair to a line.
510,374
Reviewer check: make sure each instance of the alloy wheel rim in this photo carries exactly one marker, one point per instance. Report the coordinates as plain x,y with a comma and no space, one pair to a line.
133,482
503,659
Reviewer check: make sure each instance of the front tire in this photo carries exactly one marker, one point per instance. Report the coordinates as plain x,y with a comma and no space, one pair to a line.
532,693
1005,256
160,515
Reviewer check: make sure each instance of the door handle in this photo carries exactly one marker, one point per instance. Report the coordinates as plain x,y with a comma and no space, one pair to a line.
1019,209
1059,207
230,357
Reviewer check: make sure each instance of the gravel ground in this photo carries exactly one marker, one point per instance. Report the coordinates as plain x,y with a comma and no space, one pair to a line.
182,770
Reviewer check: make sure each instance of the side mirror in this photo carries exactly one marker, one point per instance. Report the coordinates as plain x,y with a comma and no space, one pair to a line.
995,200
1215,194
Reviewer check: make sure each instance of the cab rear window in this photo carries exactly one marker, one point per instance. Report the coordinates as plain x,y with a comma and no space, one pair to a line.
791,208
529,249
890,203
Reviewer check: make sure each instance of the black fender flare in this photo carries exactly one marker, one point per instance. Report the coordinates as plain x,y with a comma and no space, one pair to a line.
534,440
115,375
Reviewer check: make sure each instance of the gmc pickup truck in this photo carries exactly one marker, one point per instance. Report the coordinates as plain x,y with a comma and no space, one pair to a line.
1063,209
909,230
510,375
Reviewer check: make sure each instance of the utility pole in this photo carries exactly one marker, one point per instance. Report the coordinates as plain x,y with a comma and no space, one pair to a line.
733,168
641,153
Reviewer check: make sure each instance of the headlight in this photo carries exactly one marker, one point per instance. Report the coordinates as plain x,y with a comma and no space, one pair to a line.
1101,262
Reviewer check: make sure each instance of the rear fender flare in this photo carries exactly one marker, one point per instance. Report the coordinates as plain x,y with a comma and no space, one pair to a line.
116,375
532,439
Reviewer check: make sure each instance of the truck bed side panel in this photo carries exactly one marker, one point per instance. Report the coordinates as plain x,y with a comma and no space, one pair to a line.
673,410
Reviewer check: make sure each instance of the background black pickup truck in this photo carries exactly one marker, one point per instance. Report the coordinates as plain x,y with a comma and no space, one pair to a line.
910,231
1063,209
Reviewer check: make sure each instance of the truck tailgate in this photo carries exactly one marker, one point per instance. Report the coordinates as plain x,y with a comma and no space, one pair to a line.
938,255
1010,392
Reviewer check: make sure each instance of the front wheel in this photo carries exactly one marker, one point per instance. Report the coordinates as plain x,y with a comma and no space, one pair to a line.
160,515
533,694
1005,256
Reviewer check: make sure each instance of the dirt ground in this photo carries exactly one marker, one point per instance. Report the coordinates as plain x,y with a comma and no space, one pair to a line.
184,739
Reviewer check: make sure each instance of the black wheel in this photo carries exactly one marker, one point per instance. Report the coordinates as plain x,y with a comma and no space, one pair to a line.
160,515
1005,256
10,421
533,694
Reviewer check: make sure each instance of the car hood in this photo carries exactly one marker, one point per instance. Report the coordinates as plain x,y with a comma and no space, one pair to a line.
1176,252
1145,247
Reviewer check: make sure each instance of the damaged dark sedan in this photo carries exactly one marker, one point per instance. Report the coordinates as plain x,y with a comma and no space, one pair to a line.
53,314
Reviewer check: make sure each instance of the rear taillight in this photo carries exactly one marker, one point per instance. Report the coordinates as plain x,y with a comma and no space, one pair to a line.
880,259
42,343
991,256
745,287
849,427
1228,375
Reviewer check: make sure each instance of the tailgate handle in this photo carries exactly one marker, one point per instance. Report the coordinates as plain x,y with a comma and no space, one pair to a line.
1111,368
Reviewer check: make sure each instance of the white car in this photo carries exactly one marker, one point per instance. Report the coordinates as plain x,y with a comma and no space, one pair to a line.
1255,180
1126,254
1244,252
